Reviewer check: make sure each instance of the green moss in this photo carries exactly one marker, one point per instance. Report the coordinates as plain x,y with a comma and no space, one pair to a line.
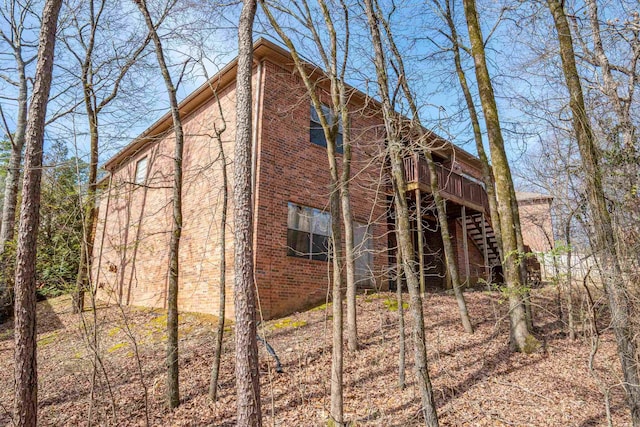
322,307
116,347
48,339
287,322
392,305
531,345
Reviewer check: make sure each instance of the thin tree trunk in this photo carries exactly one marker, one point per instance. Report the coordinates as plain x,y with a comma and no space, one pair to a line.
569,287
402,342
25,369
406,247
521,338
86,249
452,264
337,346
449,253
217,352
89,218
487,173
337,192
403,230
93,108
604,237
247,380
173,389
347,217
12,180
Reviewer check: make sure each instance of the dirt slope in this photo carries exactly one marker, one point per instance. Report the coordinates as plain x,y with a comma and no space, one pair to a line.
478,382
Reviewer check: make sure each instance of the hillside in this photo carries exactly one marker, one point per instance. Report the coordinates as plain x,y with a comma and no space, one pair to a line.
477,381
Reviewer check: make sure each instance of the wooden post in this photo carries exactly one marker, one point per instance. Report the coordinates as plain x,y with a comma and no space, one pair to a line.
420,240
465,244
485,245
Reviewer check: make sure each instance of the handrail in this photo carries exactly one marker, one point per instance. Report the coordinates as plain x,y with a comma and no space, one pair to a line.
450,183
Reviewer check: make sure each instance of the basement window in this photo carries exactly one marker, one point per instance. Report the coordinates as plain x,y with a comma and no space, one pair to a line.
141,171
308,232
316,132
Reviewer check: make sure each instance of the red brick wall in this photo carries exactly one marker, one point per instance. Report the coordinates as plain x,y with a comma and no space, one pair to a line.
476,257
131,254
132,263
535,219
292,169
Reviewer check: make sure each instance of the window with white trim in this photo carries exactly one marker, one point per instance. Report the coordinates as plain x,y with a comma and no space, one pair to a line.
141,171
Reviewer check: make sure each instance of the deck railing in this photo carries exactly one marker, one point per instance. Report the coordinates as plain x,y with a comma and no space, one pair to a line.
450,183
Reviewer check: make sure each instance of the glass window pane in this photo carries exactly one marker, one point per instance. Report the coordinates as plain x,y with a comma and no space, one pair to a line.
363,253
321,223
299,218
320,248
141,171
316,136
314,115
298,243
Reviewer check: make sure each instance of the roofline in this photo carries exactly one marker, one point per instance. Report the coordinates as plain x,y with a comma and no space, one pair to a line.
262,49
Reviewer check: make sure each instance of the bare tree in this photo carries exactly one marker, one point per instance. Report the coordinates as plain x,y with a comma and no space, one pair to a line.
247,380
222,282
402,212
26,372
426,145
605,239
16,15
521,337
173,389
102,66
332,46
329,123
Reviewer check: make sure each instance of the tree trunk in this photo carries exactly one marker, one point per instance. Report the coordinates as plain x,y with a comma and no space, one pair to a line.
12,180
521,338
222,288
337,346
247,380
449,253
86,246
403,230
487,172
25,370
402,341
604,237
338,192
173,389
452,264
407,250
347,217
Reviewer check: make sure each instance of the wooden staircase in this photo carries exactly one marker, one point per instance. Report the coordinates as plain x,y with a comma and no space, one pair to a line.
485,240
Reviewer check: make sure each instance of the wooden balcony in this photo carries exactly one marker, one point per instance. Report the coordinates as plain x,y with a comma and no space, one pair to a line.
453,186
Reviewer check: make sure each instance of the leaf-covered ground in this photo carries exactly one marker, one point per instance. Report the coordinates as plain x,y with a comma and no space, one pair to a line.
477,381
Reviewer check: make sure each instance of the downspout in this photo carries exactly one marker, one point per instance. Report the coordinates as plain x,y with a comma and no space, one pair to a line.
254,140
256,126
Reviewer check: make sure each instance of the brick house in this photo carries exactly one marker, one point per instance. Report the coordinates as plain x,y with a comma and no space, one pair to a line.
290,181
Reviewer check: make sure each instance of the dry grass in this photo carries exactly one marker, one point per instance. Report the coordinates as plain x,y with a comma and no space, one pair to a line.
477,381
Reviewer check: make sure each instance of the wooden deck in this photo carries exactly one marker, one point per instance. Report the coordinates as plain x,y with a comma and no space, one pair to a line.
453,186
